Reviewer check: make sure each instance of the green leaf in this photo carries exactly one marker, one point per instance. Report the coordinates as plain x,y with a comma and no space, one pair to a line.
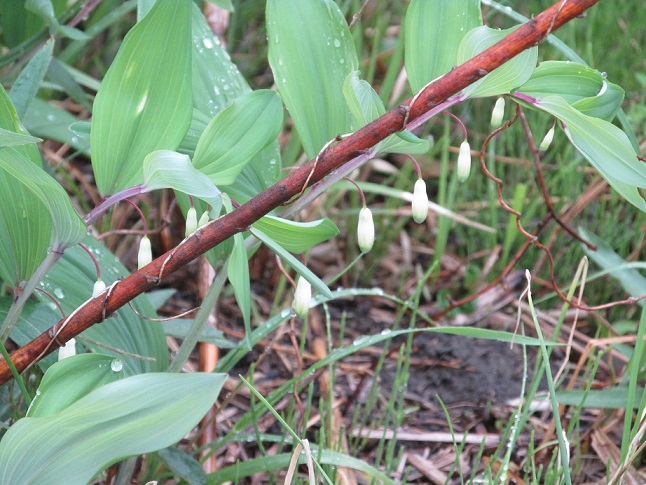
581,86
49,121
59,73
612,398
183,465
68,228
311,51
168,169
78,375
604,145
26,86
236,134
45,10
216,84
631,280
296,237
10,139
433,31
366,106
238,274
36,317
180,327
71,281
510,75
132,416
281,461
299,267
144,102
225,4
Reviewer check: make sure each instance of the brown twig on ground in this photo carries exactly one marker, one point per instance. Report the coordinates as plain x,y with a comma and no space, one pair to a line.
217,231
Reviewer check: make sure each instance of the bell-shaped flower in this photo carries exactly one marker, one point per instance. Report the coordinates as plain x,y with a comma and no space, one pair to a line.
99,286
498,113
191,221
204,219
464,161
547,141
145,255
365,230
302,297
420,202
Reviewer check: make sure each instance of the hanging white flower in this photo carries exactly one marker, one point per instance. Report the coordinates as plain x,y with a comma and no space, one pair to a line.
498,113
191,221
365,230
99,286
547,141
420,202
302,297
145,255
67,350
464,161
204,219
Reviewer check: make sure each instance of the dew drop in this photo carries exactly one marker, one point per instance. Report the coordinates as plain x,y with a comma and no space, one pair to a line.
59,293
51,117
207,43
385,331
116,365
337,43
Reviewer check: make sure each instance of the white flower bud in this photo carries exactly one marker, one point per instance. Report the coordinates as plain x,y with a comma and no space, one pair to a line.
99,286
498,113
145,255
464,161
420,202
547,141
67,350
365,230
191,221
302,297
204,219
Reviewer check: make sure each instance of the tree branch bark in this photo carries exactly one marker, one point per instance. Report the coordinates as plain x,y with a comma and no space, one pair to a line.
95,310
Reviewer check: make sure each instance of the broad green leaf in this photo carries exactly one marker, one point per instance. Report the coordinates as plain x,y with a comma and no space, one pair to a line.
168,169
35,318
48,121
296,237
366,106
81,129
581,86
10,139
299,267
71,281
144,102
183,465
136,415
631,279
604,145
26,86
510,75
67,227
236,134
25,225
311,51
78,376
216,84
433,30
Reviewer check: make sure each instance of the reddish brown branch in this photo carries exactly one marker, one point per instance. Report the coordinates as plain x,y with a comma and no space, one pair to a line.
529,35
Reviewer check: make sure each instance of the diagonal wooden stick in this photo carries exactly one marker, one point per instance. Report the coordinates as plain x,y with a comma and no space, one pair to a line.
94,310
